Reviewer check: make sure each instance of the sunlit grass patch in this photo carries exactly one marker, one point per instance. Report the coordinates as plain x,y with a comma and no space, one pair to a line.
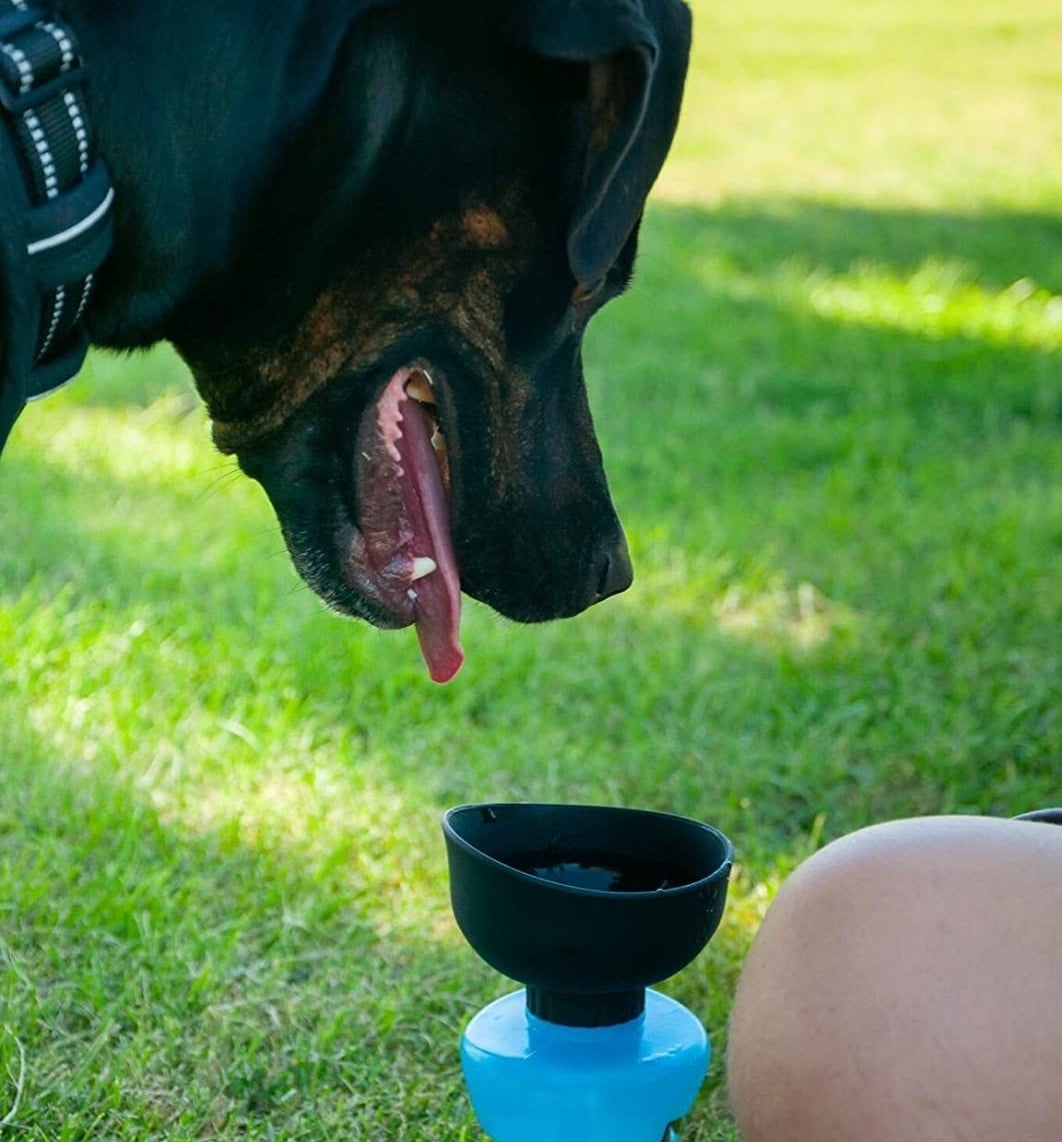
160,443
953,105
933,299
940,300
801,617
751,603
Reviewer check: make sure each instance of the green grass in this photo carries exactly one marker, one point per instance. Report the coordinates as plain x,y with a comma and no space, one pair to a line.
830,410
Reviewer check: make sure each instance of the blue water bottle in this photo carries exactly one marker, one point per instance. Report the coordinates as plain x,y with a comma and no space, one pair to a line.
586,905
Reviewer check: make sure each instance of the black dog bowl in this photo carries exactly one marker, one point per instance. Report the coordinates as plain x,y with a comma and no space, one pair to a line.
585,905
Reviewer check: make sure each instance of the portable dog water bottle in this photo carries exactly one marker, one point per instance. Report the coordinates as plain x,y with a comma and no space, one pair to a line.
587,906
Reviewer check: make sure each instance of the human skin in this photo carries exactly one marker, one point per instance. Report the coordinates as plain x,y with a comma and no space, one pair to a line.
907,984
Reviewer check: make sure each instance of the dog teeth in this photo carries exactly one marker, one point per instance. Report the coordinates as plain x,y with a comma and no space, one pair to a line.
422,565
420,389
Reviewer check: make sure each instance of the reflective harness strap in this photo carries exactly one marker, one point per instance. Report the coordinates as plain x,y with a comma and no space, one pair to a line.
56,202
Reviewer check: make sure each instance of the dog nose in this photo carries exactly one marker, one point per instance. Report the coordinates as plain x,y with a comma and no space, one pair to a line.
613,571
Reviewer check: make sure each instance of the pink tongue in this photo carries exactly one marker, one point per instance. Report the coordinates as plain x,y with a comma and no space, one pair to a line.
424,501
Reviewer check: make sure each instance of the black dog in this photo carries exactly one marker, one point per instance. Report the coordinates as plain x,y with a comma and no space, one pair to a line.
376,232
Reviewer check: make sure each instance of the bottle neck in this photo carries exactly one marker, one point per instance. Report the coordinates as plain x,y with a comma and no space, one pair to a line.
571,1010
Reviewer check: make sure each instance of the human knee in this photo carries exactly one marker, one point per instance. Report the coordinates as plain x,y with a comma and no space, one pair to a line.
872,1001
803,1017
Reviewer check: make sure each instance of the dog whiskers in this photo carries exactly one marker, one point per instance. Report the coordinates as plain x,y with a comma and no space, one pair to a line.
226,474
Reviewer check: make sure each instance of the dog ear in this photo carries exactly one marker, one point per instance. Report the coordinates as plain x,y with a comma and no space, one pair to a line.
637,52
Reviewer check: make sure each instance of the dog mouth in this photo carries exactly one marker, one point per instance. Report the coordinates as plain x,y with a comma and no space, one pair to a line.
399,555
380,486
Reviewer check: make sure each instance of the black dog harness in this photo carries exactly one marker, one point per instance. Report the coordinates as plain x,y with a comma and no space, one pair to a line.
56,196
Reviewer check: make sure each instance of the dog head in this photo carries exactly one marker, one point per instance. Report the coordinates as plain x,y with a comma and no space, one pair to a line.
396,354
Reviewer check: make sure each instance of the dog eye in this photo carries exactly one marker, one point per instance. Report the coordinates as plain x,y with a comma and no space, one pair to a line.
587,292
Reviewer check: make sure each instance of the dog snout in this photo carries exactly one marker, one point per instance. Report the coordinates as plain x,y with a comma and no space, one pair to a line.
553,566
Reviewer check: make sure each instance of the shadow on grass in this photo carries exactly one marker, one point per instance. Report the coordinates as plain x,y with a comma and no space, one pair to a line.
169,983
998,247
726,300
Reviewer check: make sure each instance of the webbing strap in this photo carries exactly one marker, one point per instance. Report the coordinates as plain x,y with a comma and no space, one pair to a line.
55,213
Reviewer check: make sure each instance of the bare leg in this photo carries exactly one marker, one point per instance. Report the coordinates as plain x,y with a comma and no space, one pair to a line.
906,985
